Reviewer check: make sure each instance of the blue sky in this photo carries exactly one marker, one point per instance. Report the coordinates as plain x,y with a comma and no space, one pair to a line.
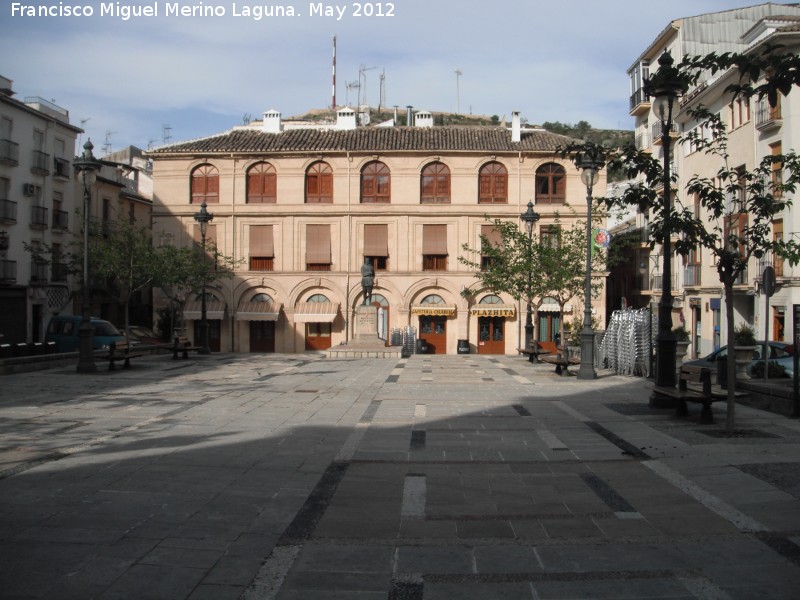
125,79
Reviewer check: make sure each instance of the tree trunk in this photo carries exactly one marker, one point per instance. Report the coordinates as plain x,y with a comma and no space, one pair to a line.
731,366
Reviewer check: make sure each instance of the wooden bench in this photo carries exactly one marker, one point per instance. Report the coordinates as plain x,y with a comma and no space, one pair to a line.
562,362
533,352
701,391
184,346
120,351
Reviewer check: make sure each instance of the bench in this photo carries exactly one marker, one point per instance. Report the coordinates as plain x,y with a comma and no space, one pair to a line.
561,361
184,346
701,391
120,351
533,352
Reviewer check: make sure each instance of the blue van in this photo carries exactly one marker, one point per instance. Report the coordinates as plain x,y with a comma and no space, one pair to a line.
63,330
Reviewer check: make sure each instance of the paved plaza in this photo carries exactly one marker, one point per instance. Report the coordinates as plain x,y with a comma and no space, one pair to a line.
465,477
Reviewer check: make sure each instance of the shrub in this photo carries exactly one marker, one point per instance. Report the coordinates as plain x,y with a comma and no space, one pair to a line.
744,335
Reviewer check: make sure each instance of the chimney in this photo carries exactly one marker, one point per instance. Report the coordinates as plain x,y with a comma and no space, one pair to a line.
410,115
516,134
346,118
271,122
423,119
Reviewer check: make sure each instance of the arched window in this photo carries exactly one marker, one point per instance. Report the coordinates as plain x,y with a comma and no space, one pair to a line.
205,185
551,184
435,184
319,183
432,299
491,299
493,184
261,298
261,184
318,298
376,183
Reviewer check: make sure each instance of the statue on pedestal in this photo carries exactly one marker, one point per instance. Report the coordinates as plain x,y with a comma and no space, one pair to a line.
367,280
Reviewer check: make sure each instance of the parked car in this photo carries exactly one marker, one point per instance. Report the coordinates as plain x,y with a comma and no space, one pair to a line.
779,352
139,335
63,330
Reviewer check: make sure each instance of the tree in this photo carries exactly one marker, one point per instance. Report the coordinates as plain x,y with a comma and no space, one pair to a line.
739,204
184,270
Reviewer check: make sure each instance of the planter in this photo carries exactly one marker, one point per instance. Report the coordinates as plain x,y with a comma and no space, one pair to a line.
743,356
574,352
681,349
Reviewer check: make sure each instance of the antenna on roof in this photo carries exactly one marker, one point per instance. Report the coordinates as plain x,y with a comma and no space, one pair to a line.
382,100
80,136
333,96
352,85
166,136
362,72
246,118
107,145
458,90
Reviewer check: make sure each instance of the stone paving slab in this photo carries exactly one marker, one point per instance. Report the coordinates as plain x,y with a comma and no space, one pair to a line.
299,476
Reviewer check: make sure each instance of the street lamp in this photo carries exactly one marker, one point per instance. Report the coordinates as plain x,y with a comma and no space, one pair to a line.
87,167
529,217
590,161
666,85
203,218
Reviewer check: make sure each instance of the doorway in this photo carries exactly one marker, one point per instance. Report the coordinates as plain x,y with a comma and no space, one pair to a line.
433,330
491,335
549,332
262,336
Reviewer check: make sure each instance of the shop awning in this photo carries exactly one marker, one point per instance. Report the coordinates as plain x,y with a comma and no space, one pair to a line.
258,311
555,308
215,310
316,312
434,310
493,310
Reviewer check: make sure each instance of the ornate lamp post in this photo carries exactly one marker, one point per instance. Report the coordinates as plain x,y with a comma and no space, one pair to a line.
666,86
87,167
589,162
203,217
529,217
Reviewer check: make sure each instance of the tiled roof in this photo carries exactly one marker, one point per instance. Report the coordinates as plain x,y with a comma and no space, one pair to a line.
377,139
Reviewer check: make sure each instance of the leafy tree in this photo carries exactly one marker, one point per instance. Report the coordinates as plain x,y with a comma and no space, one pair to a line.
734,231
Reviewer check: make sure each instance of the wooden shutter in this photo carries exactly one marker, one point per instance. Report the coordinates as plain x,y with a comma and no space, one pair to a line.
376,240
318,244
261,241
434,239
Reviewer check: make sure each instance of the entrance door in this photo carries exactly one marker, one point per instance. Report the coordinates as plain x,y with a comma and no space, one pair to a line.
491,339
549,328
214,335
434,331
262,336
318,336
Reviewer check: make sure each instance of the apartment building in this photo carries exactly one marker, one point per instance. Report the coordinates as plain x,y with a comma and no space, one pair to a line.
303,207
754,131
37,194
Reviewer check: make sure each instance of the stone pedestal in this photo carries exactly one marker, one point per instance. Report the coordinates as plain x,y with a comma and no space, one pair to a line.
365,324
365,342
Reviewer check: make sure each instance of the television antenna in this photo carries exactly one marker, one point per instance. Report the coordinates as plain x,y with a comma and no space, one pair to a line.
107,144
350,85
166,134
362,72
458,90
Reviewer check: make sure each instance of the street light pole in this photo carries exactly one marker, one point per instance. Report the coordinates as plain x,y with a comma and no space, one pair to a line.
529,217
87,166
590,161
203,217
666,86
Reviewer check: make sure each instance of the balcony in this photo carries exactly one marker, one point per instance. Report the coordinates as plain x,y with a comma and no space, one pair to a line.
38,272
39,217
643,142
767,117
61,168
8,272
656,131
41,163
639,103
9,152
8,212
59,271
656,282
60,220
641,283
691,276
742,278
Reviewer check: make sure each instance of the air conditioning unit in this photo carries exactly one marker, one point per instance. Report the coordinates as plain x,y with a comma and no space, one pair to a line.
29,189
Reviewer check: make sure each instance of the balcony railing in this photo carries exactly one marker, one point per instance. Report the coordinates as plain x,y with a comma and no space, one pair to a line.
641,283
38,271
60,219
657,281
639,97
691,275
39,217
742,278
8,272
767,117
8,212
9,152
41,163
643,141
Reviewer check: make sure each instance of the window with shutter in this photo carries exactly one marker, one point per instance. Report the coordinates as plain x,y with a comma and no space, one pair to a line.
319,183
493,184
205,185
551,185
261,184
376,183
435,184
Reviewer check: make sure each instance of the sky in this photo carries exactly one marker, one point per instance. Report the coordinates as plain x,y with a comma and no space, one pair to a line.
124,81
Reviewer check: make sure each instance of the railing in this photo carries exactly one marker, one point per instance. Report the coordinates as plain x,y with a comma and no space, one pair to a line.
643,141
8,211
9,152
41,162
741,278
658,280
691,275
38,271
766,116
641,283
8,272
61,168
637,98
60,219
38,217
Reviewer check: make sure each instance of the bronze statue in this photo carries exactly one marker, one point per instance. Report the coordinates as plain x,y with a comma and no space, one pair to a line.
367,280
